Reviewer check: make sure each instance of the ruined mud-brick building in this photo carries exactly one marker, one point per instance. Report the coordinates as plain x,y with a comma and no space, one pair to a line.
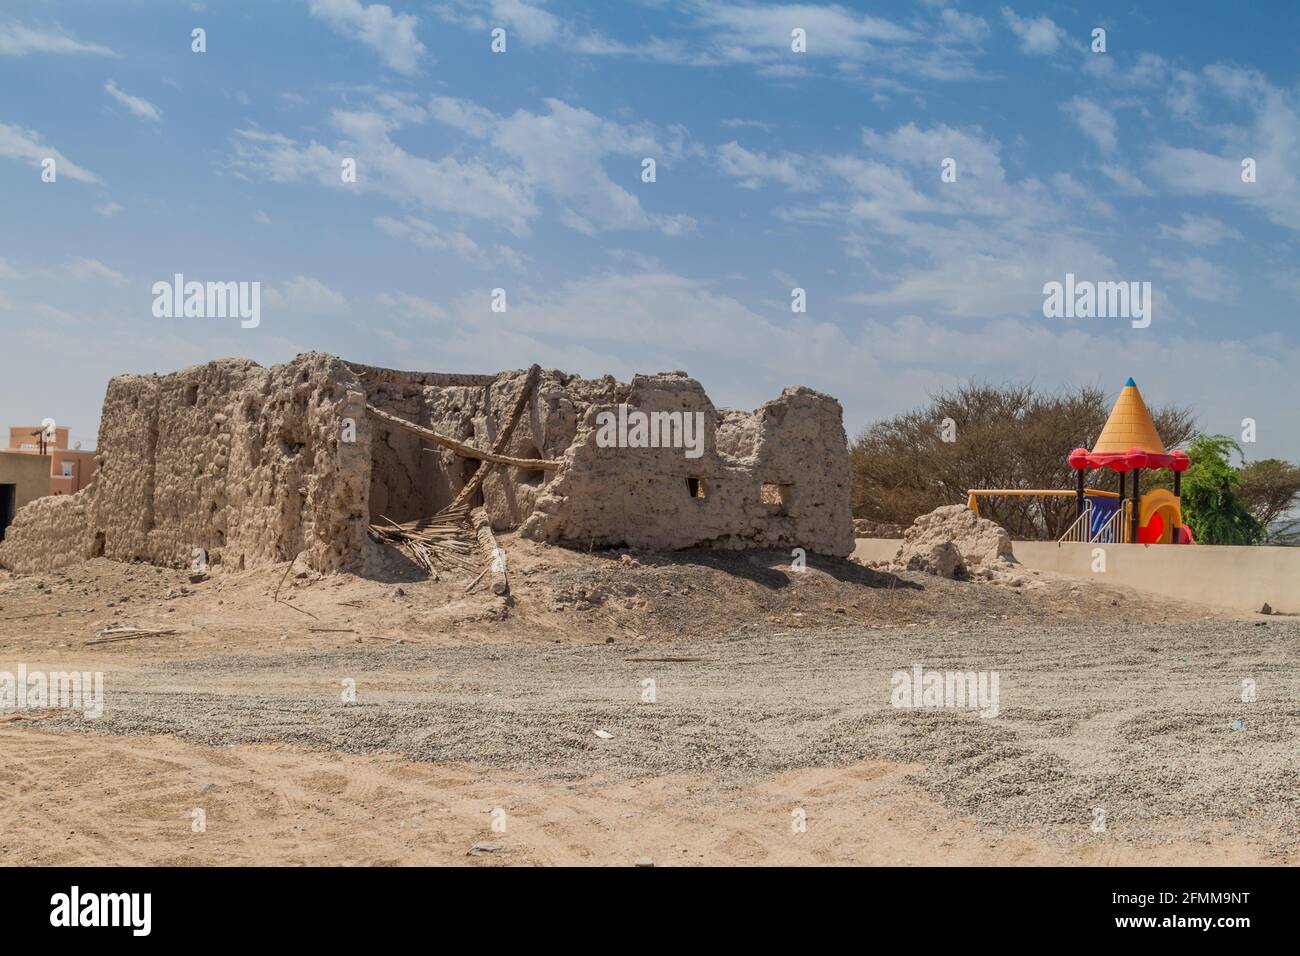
258,465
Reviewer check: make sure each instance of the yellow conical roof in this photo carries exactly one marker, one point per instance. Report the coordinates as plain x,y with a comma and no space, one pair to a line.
1129,426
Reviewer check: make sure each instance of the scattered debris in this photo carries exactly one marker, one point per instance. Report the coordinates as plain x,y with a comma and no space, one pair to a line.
478,849
603,734
128,633
438,542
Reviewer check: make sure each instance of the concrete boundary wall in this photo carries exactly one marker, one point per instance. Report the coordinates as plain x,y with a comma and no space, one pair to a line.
1238,578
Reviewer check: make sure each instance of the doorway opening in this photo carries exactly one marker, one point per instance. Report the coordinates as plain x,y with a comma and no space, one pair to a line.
8,499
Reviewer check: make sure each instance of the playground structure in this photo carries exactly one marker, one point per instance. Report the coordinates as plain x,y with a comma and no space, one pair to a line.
1129,443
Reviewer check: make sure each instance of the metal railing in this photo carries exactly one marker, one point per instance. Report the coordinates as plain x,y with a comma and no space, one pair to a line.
1082,526
1116,528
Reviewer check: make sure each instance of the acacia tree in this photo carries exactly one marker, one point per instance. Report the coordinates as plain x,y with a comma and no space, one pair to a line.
1270,489
1010,436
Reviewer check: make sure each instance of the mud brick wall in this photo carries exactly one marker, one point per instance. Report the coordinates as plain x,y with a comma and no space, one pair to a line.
240,461
249,464
657,498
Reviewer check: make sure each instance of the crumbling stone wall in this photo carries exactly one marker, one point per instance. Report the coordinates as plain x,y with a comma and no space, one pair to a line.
777,477
54,531
253,466
410,480
242,462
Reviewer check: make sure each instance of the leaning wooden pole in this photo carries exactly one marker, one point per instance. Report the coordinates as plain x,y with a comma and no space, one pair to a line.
466,494
496,556
459,447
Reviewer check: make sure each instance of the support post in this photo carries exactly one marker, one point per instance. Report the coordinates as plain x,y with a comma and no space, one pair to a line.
1078,495
1177,537
1133,522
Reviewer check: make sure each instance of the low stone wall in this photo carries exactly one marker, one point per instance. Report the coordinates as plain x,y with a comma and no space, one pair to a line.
51,532
1236,578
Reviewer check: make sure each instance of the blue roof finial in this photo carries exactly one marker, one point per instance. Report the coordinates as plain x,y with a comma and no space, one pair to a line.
1130,383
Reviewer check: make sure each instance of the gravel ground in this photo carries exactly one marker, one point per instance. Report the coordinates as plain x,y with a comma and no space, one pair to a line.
1137,720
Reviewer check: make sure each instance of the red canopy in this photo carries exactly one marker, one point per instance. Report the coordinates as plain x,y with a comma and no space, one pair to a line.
1082,459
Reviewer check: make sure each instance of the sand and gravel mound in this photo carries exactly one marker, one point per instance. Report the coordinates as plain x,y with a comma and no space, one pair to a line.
954,542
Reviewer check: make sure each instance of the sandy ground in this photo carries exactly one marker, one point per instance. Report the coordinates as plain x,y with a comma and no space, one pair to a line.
781,711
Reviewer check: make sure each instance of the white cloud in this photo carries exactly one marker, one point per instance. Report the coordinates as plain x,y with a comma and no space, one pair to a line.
412,307
981,247
261,218
717,33
390,35
19,40
136,104
532,23
426,235
463,115
1096,122
1199,231
108,209
752,169
88,270
304,295
1198,277
25,145
468,188
1271,130
560,154
1127,181
1038,37
563,152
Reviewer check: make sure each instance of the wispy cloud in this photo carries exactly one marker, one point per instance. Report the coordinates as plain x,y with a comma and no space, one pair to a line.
391,35
94,270
499,174
752,169
1096,122
19,40
845,42
1199,231
1037,37
25,145
137,105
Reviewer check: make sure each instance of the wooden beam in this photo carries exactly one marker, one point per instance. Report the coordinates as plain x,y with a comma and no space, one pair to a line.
495,554
465,495
460,448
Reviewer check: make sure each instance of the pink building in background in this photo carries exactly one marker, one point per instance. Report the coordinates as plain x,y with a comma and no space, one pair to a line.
71,469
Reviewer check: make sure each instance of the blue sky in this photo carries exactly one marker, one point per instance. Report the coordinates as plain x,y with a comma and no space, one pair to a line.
775,169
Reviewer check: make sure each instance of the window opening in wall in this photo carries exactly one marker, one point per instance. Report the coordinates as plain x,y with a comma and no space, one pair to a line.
777,495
